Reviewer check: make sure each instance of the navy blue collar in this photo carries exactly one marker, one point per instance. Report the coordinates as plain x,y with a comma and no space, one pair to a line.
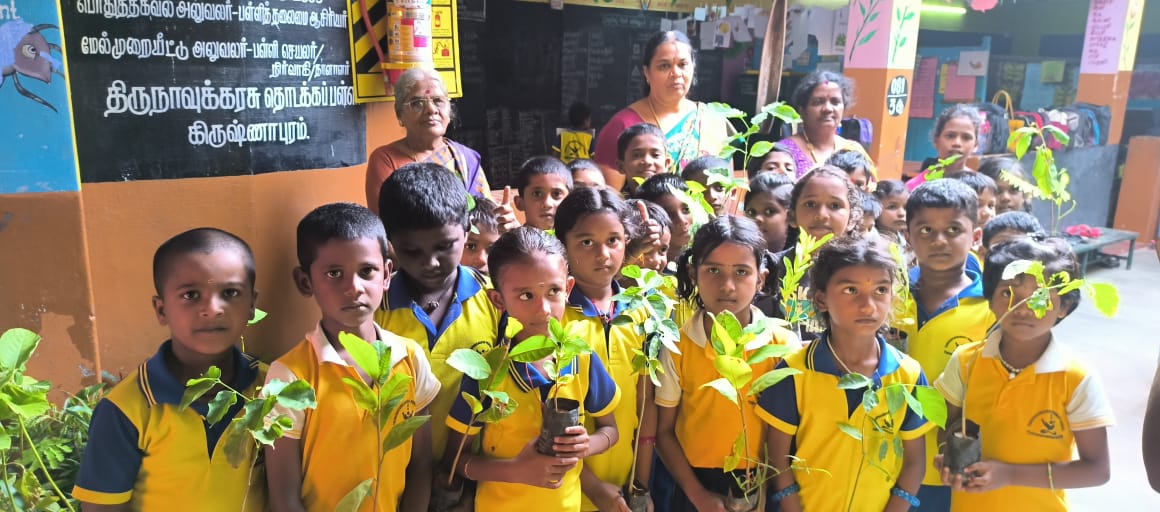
578,300
975,289
159,385
824,362
399,297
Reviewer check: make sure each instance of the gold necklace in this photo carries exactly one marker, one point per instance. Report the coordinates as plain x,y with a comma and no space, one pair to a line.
830,343
654,113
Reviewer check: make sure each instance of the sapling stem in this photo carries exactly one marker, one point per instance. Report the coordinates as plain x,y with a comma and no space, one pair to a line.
636,438
43,468
7,488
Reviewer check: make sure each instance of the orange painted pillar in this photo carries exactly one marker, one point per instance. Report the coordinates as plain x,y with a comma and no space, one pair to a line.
881,40
1138,207
1109,53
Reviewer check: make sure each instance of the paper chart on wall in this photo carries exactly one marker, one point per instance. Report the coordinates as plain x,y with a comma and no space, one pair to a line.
974,62
958,87
922,91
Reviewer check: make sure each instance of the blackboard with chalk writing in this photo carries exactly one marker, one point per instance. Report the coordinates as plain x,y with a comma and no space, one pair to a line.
169,89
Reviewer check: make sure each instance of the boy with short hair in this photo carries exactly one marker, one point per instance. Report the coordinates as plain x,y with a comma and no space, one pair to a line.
433,299
342,257
985,188
659,190
144,452
641,153
871,210
586,173
483,235
951,310
542,182
696,171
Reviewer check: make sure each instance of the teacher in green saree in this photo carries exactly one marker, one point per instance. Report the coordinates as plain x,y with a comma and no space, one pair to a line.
691,129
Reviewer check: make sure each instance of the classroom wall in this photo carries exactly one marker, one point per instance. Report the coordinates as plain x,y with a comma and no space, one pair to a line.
76,267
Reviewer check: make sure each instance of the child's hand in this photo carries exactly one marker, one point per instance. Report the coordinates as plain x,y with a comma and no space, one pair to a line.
574,442
652,228
608,498
705,501
505,213
545,471
987,475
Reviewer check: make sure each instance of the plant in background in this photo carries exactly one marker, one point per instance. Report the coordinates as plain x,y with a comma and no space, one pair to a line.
738,350
1051,181
796,307
700,211
40,443
903,309
557,350
740,142
939,169
380,399
962,449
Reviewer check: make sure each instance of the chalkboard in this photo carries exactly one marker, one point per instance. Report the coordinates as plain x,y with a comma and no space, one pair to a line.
171,89
1093,174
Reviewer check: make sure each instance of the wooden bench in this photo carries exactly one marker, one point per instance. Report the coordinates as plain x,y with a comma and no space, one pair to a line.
1085,247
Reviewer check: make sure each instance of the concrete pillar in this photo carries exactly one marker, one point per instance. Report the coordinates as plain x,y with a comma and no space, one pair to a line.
1109,53
881,41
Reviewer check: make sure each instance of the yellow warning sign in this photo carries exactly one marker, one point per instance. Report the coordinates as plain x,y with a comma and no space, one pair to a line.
370,84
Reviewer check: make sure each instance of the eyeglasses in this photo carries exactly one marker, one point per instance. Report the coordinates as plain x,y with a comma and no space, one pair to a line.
418,105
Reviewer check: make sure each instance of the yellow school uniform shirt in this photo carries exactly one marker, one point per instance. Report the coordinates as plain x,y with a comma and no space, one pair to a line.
145,452
592,387
1029,419
935,335
470,322
339,443
614,345
708,423
809,406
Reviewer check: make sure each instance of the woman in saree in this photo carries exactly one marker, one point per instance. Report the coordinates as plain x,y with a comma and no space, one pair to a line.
821,99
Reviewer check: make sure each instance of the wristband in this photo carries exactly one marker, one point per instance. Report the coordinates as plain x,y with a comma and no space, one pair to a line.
906,496
782,494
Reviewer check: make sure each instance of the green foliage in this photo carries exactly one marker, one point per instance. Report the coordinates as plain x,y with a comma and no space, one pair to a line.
40,443
739,142
903,309
795,306
380,399
700,211
562,344
657,328
489,371
939,169
259,315
1105,296
1051,181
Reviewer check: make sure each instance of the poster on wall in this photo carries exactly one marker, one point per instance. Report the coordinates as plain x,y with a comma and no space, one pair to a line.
370,85
170,89
37,133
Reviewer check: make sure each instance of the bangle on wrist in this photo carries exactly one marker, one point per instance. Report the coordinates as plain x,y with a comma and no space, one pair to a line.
607,437
784,493
466,464
906,496
648,441
1050,479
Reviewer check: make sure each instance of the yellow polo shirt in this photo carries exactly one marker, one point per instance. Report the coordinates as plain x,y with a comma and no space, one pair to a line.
339,445
935,335
613,345
708,423
470,322
1029,419
592,387
809,406
145,452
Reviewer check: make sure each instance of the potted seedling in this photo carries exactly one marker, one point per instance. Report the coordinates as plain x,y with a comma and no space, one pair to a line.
963,447
563,346
1051,181
795,305
658,330
737,351
380,399
490,371
740,142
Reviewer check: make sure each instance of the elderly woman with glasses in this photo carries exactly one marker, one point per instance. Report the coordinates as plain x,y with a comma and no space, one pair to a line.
424,111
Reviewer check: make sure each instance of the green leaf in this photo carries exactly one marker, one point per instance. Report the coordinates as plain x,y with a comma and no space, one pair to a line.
734,369
195,388
354,499
869,399
1017,267
722,386
472,402
220,405
883,448
532,349
364,355
403,431
236,442
259,315
1022,144
771,378
727,321
854,381
737,453
760,148
873,16
5,441
16,348
630,271
866,38
934,407
850,430
895,398
469,363
783,112
725,110
1105,297
897,442
297,395
364,396
1057,134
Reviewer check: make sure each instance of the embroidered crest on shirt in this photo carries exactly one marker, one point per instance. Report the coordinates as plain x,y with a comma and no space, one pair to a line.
1046,423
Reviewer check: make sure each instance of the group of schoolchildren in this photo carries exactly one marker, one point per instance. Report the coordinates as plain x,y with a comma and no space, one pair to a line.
430,275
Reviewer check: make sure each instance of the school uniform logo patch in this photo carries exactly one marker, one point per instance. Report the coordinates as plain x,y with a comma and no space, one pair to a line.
404,412
1048,424
953,343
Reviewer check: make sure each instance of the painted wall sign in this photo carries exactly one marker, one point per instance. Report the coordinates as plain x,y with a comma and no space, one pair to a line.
882,34
171,89
896,95
37,132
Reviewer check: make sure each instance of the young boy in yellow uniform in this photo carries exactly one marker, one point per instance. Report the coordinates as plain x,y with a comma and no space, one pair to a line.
1042,414
433,299
941,220
144,453
342,251
532,285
